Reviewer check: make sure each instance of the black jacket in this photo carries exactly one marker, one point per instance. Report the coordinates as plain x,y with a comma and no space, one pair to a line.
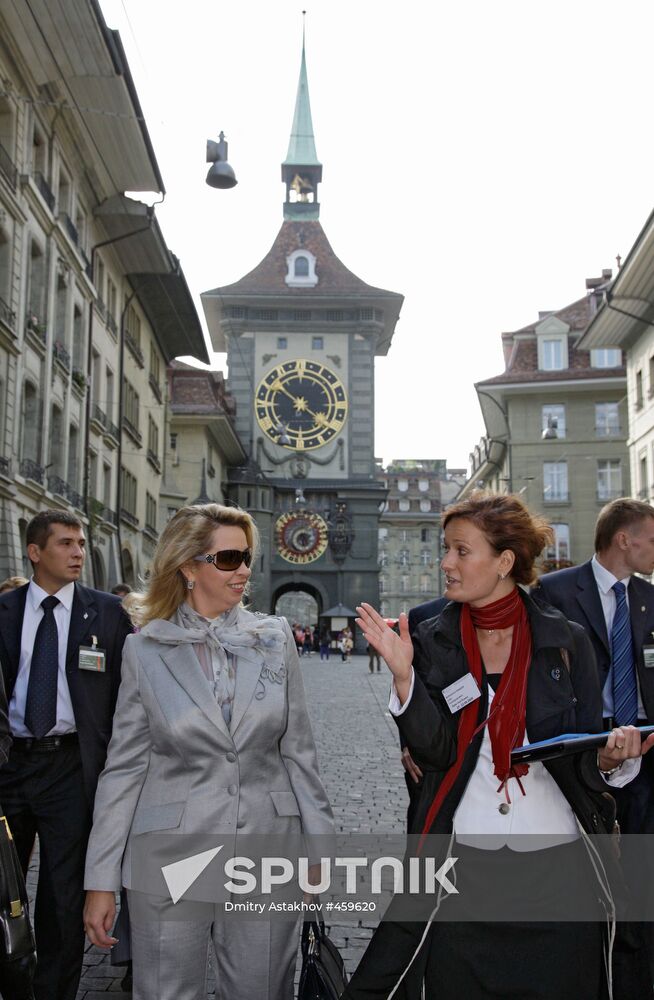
93,695
558,701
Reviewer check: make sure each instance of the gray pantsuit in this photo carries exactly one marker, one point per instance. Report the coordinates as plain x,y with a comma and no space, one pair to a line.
174,766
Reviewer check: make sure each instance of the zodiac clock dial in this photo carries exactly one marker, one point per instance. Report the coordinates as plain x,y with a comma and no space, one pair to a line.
301,405
301,536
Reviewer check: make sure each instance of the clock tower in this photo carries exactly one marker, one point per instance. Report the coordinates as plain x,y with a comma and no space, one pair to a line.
301,334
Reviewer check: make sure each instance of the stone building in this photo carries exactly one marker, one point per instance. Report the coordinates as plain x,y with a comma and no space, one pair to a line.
410,531
301,333
86,287
556,425
624,322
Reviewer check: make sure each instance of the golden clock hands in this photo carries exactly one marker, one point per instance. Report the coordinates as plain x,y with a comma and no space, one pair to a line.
299,402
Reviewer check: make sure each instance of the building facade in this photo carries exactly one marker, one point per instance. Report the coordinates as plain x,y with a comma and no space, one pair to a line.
410,531
86,288
556,425
301,333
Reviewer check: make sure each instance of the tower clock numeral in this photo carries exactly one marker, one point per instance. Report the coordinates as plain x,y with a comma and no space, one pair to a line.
305,398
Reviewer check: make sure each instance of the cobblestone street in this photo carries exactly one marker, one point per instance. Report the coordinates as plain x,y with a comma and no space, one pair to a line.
359,761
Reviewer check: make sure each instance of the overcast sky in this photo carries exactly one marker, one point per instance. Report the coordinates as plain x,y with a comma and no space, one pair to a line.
481,158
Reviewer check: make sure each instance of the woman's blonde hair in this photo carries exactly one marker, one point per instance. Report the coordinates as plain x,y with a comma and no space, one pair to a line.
187,534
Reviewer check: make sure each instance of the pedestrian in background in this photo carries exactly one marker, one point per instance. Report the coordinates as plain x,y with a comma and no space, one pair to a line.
211,733
325,643
60,650
373,657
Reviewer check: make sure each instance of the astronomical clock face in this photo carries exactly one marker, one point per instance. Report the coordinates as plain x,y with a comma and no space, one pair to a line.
301,405
300,536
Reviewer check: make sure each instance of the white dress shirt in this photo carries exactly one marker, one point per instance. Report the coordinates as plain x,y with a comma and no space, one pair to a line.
542,810
605,581
33,614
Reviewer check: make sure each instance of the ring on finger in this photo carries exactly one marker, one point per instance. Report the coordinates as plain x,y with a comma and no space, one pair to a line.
618,747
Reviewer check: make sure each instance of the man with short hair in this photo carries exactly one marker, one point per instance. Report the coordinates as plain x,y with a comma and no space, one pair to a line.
60,651
616,608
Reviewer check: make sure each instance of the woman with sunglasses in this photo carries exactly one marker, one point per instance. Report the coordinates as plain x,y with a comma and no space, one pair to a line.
211,736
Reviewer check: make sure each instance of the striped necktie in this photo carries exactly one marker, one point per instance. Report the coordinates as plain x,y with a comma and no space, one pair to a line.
625,689
41,703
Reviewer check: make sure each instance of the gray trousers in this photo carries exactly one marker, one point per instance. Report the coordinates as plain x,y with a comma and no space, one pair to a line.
253,958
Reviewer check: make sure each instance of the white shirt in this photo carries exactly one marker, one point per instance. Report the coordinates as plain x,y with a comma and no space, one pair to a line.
605,581
33,614
542,810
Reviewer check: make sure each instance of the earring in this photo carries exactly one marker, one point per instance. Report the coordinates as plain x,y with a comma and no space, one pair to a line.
501,576
190,584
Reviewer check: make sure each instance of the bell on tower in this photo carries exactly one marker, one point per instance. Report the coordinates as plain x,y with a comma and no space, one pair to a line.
302,170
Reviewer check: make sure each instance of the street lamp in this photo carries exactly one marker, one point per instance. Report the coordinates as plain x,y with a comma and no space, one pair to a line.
220,175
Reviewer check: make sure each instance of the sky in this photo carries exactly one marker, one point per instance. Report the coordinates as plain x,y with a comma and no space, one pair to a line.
483,159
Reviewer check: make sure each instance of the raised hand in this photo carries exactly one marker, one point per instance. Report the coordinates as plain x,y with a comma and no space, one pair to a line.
396,650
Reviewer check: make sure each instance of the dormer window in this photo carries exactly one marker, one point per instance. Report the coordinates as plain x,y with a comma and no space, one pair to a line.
301,269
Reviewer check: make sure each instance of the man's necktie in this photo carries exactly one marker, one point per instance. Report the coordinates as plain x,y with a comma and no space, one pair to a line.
41,704
625,690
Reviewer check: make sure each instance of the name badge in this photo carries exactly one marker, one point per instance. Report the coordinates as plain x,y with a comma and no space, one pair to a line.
461,693
92,657
648,656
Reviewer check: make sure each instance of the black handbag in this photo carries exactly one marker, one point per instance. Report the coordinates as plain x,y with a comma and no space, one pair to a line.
323,975
17,945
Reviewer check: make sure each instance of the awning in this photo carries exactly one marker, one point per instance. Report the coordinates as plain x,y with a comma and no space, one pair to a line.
339,611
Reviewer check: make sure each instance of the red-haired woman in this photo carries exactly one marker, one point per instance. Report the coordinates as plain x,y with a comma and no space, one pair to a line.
494,671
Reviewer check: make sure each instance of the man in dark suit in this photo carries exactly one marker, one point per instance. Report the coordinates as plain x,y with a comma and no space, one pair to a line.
616,608
60,651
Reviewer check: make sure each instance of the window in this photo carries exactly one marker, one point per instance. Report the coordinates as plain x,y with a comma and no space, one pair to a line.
560,547
131,410
404,584
403,485
150,513
423,485
403,558
639,390
36,289
405,504
607,419
112,298
153,439
301,272
99,278
282,343
553,353
301,269
109,402
6,253
555,481
609,479
317,343
425,584
404,535
106,485
155,364
30,424
553,421
128,492
56,443
650,391
425,557
383,558
383,605
79,341
382,584
425,505
73,457
424,534
382,534
642,476
606,357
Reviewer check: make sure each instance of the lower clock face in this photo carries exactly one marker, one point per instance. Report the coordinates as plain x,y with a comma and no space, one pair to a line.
301,536
301,405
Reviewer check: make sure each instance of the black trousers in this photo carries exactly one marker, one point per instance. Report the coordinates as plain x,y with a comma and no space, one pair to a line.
43,793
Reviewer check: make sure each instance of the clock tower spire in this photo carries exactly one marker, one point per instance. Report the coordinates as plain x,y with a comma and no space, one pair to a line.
302,170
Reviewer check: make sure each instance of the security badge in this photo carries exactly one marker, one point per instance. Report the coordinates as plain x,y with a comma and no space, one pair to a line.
92,657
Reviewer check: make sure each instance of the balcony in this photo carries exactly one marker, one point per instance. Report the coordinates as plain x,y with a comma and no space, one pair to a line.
7,167
7,315
134,349
128,517
61,355
98,416
101,307
156,388
59,486
153,460
5,466
111,325
75,498
44,189
69,227
112,432
36,329
133,431
109,515
32,470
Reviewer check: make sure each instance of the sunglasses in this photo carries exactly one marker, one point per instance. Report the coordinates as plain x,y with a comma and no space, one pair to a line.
227,559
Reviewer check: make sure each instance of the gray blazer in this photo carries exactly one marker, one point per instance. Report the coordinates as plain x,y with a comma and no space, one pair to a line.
173,764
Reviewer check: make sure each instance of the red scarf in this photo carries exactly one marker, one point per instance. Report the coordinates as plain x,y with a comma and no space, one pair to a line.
506,722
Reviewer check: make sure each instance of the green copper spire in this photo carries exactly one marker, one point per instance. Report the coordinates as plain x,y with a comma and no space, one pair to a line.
302,170
302,145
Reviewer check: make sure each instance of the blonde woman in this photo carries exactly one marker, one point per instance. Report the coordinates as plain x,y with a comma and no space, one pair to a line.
211,733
